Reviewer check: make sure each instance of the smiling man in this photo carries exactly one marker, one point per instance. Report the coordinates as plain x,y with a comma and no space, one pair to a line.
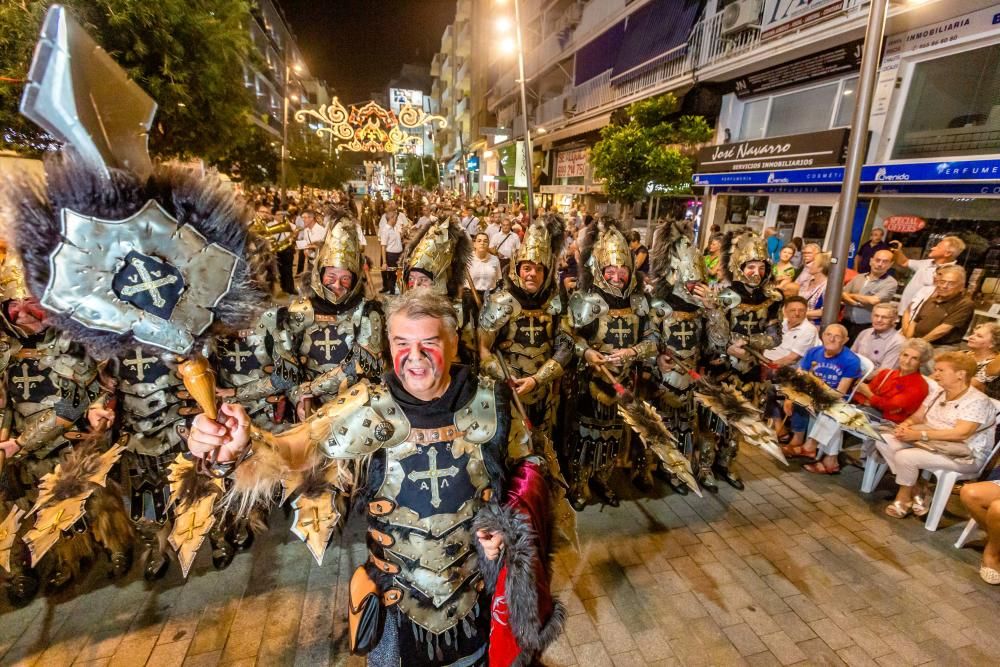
446,511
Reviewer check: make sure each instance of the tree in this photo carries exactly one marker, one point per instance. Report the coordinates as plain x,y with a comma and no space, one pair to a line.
425,177
313,161
648,146
189,57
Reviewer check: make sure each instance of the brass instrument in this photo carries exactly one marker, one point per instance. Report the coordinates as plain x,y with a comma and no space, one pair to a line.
271,229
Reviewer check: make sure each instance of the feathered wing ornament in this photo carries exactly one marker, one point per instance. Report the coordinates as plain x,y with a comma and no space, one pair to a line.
807,390
193,497
747,422
648,425
319,506
8,534
63,494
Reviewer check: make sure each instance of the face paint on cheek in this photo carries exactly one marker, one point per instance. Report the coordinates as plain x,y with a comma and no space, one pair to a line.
398,360
435,358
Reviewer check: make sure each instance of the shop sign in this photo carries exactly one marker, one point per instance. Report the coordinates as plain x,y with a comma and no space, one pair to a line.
932,172
781,16
564,189
831,62
796,151
904,224
571,164
774,179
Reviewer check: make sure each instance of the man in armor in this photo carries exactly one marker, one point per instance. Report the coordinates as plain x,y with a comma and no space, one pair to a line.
677,302
336,333
522,321
48,385
609,321
448,503
744,320
438,258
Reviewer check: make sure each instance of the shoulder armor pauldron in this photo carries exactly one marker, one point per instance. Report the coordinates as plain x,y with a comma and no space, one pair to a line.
371,334
301,315
554,306
478,418
660,311
640,304
8,347
498,311
773,293
359,421
584,308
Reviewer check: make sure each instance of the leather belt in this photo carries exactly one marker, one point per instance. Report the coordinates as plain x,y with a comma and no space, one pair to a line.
685,316
381,507
430,435
381,538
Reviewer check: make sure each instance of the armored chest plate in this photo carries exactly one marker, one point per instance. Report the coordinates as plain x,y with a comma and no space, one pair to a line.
328,342
236,356
29,383
139,368
749,320
681,334
619,329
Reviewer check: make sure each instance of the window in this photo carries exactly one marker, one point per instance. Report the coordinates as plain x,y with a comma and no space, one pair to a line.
952,106
802,111
847,101
754,119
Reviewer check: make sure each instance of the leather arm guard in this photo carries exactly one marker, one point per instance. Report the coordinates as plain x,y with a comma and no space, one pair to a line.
41,429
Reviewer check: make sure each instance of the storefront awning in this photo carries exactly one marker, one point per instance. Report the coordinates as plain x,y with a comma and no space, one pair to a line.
655,34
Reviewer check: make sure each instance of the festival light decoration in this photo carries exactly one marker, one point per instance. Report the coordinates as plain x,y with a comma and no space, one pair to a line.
369,127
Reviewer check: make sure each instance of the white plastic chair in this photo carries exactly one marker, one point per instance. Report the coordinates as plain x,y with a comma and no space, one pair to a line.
867,368
966,533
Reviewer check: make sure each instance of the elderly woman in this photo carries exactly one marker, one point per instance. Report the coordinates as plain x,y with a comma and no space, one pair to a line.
952,430
892,394
984,344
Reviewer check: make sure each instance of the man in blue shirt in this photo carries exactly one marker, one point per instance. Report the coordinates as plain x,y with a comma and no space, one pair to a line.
835,364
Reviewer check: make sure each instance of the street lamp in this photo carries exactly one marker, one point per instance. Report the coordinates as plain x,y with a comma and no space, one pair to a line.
518,44
857,144
297,68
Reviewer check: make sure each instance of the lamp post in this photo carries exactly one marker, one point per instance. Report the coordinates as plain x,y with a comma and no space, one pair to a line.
855,158
283,177
528,150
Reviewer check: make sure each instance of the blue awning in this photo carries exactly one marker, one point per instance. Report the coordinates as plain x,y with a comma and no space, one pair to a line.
598,55
658,32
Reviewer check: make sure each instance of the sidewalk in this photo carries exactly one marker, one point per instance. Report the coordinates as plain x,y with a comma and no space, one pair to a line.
795,569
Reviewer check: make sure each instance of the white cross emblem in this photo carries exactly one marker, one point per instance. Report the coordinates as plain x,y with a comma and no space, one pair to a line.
620,332
433,474
237,355
328,343
26,382
140,362
532,329
151,282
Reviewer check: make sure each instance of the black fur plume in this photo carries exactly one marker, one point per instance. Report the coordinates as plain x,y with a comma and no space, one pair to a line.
202,202
823,397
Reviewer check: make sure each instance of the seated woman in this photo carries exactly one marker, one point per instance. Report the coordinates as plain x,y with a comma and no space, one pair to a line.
982,499
952,430
892,394
984,344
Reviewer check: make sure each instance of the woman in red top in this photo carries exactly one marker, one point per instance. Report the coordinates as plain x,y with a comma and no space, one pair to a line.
896,393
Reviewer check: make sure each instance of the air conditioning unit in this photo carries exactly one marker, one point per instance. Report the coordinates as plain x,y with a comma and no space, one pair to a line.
569,105
741,15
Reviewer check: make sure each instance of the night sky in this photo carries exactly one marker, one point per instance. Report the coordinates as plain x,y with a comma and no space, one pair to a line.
357,46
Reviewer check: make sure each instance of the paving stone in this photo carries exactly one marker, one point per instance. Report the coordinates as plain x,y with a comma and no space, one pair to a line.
744,639
783,648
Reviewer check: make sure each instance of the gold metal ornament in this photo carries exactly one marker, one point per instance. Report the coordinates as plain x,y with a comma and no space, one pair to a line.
12,282
748,247
536,247
433,255
193,517
316,518
8,534
369,127
51,521
341,250
611,249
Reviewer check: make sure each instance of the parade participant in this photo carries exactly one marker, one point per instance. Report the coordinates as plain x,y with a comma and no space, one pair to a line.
452,504
521,322
676,311
608,318
48,384
336,333
751,317
438,258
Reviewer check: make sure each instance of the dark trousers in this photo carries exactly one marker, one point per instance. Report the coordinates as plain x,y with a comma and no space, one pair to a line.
286,258
853,329
389,277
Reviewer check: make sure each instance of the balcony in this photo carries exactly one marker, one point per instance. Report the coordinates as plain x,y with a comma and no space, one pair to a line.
448,70
462,108
436,64
554,110
505,115
463,45
463,79
447,39
464,10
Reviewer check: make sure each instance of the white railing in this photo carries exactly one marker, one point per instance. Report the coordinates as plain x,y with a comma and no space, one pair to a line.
594,93
505,115
708,45
552,110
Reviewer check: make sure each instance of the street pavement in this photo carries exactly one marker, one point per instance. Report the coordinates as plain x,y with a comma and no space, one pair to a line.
796,569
